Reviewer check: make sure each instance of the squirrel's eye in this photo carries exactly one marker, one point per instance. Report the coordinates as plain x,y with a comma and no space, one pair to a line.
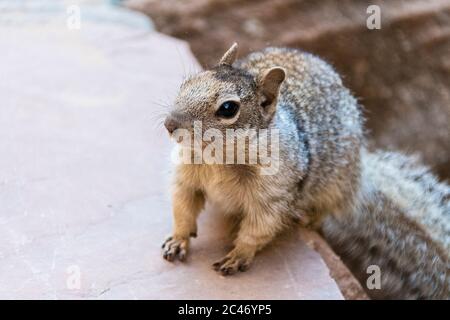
228,109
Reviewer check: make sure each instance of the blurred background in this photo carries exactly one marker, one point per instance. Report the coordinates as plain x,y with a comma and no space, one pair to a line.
400,73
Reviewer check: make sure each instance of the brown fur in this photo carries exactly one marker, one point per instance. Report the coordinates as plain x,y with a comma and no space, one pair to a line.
373,208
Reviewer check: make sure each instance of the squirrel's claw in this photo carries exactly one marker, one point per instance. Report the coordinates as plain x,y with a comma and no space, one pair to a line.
232,263
175,248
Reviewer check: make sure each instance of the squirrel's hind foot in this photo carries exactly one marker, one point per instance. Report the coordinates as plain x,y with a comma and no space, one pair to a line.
233,262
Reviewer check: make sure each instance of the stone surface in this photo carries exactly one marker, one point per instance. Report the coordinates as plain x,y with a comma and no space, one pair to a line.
84,165
350,288
401,73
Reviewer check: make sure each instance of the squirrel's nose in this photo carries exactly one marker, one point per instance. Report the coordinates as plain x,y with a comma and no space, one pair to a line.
171,124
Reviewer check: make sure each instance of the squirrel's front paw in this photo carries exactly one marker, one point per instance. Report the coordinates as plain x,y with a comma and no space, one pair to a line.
233,262
175,247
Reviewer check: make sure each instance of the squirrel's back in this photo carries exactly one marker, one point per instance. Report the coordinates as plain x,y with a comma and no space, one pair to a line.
328,124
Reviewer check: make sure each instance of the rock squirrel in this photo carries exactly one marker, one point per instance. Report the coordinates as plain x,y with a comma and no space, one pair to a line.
376,208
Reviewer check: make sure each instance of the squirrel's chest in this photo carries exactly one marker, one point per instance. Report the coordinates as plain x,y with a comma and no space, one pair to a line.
222,188
223,198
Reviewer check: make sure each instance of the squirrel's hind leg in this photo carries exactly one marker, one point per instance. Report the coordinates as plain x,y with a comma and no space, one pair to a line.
256,230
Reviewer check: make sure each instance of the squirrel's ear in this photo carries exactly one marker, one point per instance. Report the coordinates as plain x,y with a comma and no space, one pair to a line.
230,56
269,82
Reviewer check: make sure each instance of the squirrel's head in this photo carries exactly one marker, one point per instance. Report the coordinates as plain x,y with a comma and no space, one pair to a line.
226,97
